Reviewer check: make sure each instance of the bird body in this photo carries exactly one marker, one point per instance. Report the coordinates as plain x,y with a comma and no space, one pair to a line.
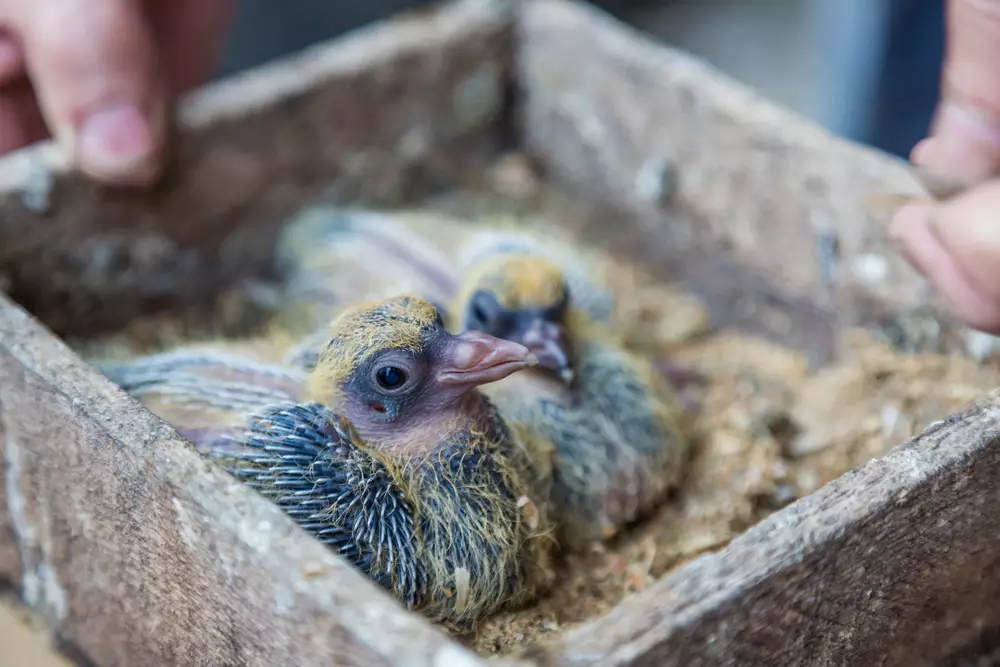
611,418
608,421
206,391
383,449
616,445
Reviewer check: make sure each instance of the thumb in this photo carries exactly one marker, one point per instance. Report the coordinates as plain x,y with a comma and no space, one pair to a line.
965,138
956,244
93,65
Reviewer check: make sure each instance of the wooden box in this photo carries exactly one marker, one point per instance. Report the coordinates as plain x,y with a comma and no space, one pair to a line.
141,553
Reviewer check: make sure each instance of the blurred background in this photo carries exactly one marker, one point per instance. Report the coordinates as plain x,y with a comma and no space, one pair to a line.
865,69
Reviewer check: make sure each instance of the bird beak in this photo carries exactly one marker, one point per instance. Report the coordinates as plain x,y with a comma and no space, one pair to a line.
474,358
547,341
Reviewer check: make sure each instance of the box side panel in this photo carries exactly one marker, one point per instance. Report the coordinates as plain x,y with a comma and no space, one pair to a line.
383,115
764,213
10,558
142,553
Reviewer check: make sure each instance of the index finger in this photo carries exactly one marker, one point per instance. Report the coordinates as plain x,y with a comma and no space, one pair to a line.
965,135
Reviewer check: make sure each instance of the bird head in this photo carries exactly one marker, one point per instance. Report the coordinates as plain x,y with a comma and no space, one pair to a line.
522,298
391,364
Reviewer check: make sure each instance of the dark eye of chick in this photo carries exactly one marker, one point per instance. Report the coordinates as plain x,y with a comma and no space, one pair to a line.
390,377
483,310
480,313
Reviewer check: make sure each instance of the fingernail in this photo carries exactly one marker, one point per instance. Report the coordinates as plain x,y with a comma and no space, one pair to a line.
965,145
116,143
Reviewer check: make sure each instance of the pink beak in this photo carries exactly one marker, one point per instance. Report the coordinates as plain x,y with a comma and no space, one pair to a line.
474,358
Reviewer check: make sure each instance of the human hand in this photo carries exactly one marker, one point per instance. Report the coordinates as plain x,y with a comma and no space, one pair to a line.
956,243
99,76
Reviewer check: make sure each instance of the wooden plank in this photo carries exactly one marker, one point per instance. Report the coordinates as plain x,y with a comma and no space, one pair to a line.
140,552
10,557
894,564
384,114
763,212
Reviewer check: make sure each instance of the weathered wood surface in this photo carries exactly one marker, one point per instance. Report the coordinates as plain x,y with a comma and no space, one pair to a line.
743,199
139,551
895,564
384,114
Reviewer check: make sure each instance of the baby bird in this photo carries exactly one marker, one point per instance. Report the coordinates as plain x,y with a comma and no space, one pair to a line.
384,450
610,418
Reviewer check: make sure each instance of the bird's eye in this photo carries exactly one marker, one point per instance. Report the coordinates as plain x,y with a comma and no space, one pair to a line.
483,309
390,377
479,313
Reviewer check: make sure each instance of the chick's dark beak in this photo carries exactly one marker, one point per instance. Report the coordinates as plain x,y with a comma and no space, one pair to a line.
548,342
474,358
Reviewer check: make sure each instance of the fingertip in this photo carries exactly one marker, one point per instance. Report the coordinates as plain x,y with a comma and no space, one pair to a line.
965,145
117,144
914,230
917,153
96,73
964,141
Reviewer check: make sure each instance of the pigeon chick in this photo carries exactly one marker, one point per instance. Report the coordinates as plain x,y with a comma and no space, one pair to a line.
385,451
610,417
